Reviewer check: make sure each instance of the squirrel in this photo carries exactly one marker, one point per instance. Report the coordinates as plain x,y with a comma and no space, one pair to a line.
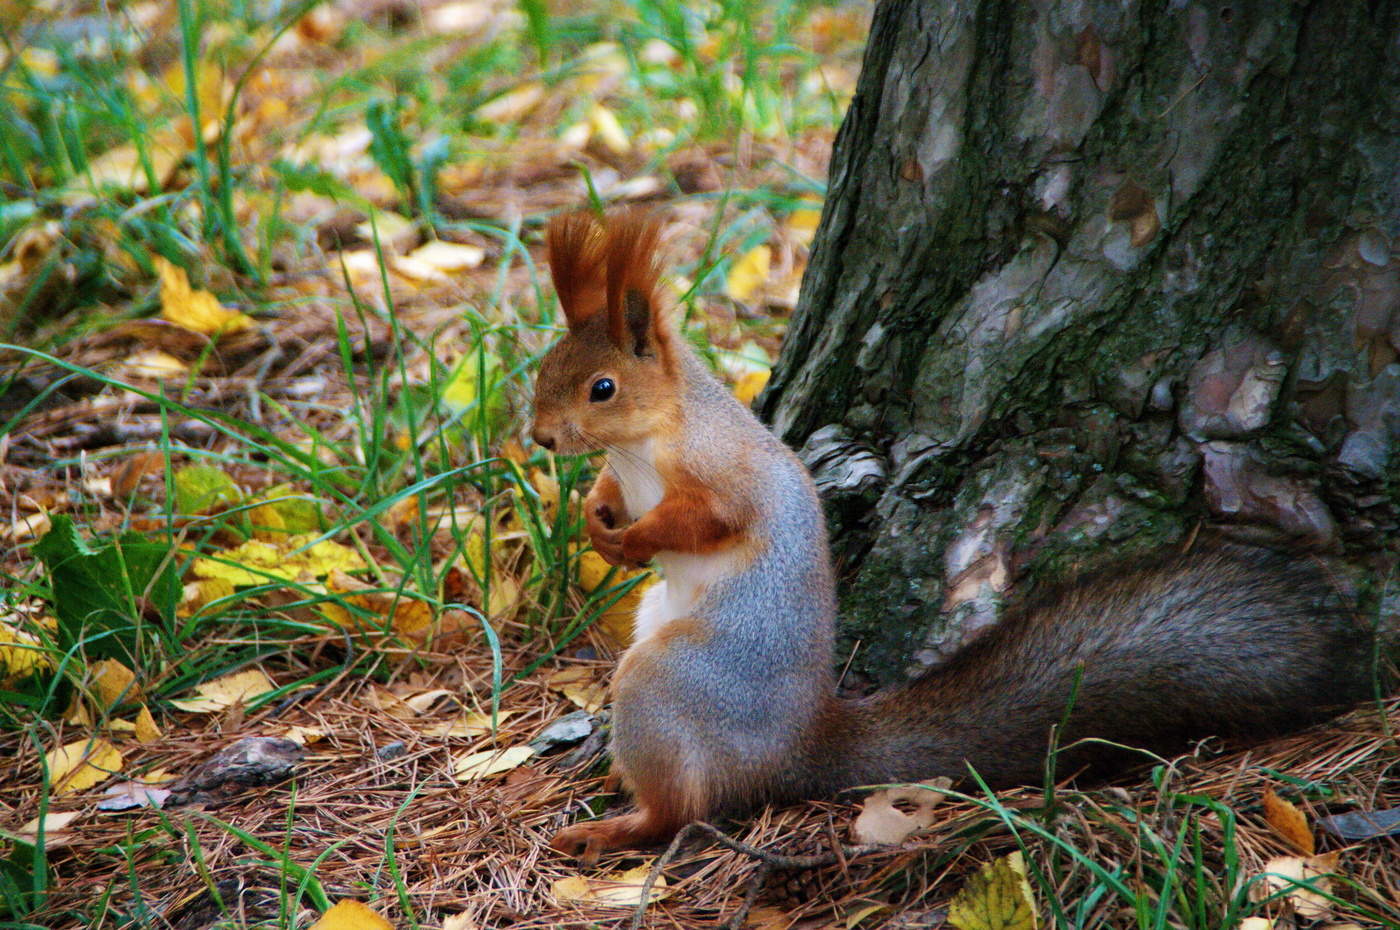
726,698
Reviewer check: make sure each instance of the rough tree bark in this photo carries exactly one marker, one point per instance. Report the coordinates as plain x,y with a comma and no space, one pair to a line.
1089,276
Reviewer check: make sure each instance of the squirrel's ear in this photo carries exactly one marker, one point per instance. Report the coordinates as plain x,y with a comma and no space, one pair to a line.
635,323
576,243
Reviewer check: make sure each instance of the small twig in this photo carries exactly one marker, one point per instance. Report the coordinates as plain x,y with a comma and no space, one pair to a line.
756,883
661,862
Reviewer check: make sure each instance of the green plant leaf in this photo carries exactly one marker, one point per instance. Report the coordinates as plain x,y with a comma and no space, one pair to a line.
201,488
107,588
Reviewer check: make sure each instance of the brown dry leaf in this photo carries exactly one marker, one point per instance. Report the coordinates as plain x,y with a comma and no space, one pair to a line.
578,685
749,273
351,915
1286,873
81,764
30,526
616,889
1289,823
196,310
113,683
472,766
881,822
997,898
238,688
147,731
126,478
56,831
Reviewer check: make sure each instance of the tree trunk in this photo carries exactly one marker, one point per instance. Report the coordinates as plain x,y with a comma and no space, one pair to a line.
1091,276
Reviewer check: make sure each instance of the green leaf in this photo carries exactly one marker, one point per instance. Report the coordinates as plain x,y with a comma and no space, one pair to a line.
201,488
107,588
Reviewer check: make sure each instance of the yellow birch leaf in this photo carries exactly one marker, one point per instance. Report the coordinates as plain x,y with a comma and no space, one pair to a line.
147,731
155,364
473,724
113,683
196,310
81,764
619,620
608,130
21,653
257,561
1289,823
513,106
749,385
448,257
616,889
578,686
748,273
802,223
996,898
303,736
351,915
491,762
238,688
195,594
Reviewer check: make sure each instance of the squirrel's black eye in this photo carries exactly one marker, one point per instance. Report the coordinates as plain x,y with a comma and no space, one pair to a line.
603,389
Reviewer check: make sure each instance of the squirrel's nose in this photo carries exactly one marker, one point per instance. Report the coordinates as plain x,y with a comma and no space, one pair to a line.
543,438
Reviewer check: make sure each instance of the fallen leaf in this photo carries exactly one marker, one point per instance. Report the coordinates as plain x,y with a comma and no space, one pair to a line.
194,595
113,683
146,729
351,915
448,257
802,223
619,620
155,365
473,724
257,561
22,653
491,762
303,736
1255,923
749,386
196,310
238,688
997,898
122,167
1305,881
578,685
1288,822
880,821
133,794
748,273
608,130
81,764
617,889
202,488
513,106
56,833
28,526
405,707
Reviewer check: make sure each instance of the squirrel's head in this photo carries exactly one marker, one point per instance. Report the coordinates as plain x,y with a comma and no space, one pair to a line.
613,378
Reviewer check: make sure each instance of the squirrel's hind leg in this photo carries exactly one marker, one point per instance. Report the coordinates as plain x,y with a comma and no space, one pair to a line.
664,805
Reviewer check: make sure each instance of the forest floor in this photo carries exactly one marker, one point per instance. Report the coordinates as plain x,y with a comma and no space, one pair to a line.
271,298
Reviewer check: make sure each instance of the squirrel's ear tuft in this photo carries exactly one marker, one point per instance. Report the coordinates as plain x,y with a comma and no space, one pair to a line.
576,244
635,322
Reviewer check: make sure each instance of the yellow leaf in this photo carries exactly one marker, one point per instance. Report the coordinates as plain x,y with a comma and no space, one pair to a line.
22,653
492,762
82,764
749,386
473,724
617,889
1288,822
238,688
113,683
146,729
155,364
578,686
258,561
996,898
618,621
351,915
121,167
303,736
608,130
881,822
1255,923
513,106
1305,880
201,591
802,223
748,273
458,922
195,310
854,918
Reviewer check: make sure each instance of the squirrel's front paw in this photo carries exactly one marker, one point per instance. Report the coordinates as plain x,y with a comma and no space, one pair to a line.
608,544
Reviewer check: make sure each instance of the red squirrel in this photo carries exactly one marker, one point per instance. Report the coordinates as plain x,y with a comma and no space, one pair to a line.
726,698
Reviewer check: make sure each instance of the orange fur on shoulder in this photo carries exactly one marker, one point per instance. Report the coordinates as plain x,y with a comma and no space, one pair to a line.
577,256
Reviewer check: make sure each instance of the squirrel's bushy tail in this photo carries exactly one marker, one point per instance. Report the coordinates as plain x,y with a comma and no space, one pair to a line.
1224,641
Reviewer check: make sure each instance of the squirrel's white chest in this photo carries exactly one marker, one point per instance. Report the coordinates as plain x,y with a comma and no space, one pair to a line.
635,467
